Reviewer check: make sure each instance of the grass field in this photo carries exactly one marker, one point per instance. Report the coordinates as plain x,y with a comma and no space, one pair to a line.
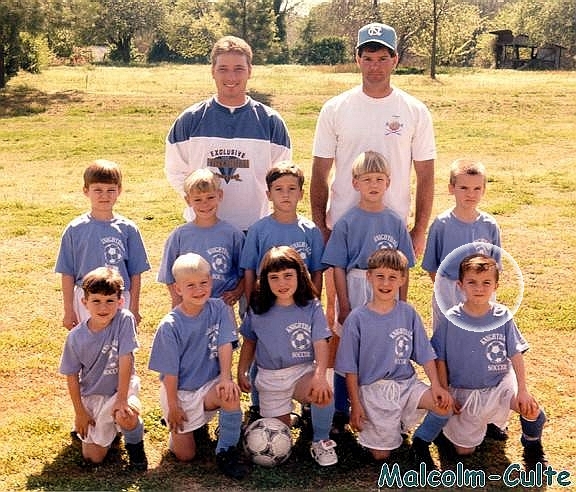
521,125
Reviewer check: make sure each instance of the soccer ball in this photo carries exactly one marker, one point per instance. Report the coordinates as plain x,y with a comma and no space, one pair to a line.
268,442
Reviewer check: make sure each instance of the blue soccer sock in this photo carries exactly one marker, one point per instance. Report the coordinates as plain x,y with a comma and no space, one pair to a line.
322,421
532,429
431,426
341,401
230,424
135,435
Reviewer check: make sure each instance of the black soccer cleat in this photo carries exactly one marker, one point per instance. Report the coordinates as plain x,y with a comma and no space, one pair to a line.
137,456
420,453
231,464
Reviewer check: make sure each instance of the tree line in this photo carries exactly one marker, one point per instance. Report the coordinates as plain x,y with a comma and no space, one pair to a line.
430,32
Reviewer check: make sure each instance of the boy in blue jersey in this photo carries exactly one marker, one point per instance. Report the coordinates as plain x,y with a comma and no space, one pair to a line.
98,238
192,351
232,134
98,361
461,225
477,342
365,228
217,241
379,341
283,227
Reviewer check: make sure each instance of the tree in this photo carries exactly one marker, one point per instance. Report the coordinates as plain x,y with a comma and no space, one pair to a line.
16,16
117,23
191,28
255,22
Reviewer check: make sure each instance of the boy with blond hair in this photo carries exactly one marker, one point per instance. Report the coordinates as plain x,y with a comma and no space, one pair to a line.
192,351
97,238
217,241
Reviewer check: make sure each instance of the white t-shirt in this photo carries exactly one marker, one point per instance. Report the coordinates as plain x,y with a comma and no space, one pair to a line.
398,126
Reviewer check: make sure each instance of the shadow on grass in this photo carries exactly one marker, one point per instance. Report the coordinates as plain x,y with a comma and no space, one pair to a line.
69,471
22,100
353,472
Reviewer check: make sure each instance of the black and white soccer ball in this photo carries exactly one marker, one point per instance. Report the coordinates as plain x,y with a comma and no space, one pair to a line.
268,442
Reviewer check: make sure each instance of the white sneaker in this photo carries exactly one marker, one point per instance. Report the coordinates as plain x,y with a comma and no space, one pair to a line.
323,452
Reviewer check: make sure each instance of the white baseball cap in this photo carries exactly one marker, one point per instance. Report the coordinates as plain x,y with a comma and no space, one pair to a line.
377,33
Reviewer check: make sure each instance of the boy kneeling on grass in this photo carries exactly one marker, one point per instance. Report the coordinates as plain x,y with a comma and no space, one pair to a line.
476,343
98,360
192,351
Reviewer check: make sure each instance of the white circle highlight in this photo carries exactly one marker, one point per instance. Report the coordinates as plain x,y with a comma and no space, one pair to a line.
509,293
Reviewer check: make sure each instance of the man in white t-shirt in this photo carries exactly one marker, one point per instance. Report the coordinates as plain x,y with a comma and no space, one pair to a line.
380,117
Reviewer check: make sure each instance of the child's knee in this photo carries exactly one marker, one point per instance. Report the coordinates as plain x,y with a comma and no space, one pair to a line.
380,454
128,422
462,451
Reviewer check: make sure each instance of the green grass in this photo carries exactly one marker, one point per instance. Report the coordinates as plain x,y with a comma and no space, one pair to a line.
520,124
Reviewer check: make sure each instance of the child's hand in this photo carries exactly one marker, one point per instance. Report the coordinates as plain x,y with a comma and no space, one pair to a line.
527,405
123,413
442,398
244,382
82,422
175,418
357,417
69,321
320,392
227,390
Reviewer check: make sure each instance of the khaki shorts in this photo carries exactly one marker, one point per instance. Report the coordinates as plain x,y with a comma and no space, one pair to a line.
192,404
100,407
277,386
479,408
390,407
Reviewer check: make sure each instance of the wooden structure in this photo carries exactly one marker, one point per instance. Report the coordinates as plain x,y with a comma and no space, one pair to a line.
517,52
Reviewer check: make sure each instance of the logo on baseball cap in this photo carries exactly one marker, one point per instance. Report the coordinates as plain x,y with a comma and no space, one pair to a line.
377,33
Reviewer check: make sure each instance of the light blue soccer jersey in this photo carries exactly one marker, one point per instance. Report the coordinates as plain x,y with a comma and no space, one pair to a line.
359,233
88,244
220,245
302,235
95,355
381,346
447,233
477,359
187,346
285,335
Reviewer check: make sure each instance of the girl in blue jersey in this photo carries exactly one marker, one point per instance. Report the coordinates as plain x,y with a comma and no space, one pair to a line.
286,332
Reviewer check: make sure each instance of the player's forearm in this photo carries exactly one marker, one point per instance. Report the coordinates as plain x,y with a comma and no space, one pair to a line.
341,288
249,283
442,372
170,383
73,383
225,360
432,372
135,285
424,194
321,356
68,293
519,370
246,356
125,365
353,388
319,190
